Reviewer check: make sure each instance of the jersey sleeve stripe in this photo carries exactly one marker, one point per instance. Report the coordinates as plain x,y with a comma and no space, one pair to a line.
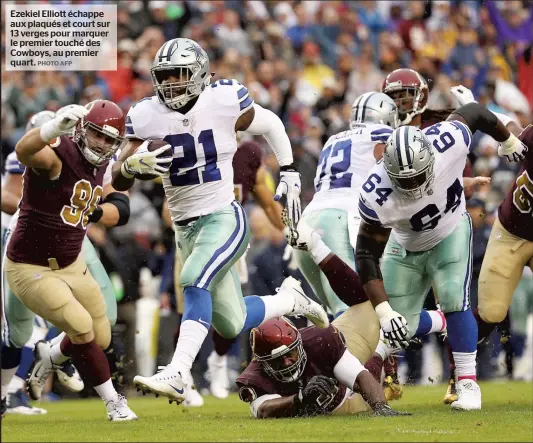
129,130
380,138
242,92
467,136
381,131
366,213
246,103
14,167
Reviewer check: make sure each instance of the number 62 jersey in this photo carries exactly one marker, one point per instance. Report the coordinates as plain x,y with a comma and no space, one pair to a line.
204,142
421,224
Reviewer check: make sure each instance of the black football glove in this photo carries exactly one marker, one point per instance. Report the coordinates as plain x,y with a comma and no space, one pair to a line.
319,392
384,410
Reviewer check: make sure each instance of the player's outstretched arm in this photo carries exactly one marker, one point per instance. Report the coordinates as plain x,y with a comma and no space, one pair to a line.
11,193
115,209
264,196
281,407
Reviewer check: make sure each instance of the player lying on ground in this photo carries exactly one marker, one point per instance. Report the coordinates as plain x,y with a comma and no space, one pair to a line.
306,372
199,121
63,185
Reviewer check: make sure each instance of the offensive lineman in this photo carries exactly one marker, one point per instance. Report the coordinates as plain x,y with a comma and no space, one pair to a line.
44,268
199,121
417,191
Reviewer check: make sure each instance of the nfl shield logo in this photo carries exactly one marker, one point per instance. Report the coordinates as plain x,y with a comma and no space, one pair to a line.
395,251
186,122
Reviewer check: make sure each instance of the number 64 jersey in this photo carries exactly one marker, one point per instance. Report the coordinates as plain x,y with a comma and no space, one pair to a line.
421,224
204,142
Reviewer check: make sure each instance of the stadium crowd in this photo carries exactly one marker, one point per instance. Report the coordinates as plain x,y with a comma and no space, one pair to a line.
306,61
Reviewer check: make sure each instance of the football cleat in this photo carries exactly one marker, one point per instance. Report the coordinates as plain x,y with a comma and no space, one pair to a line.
40,370
17,403
303,305
166,382
468,395
451,392
217,375
69,377
3,407
193,399
118,409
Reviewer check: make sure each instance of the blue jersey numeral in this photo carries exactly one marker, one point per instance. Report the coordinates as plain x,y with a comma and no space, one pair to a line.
446,139
339,178
210,174
383,193
428,218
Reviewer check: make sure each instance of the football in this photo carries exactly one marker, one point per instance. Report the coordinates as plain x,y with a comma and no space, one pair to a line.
152,146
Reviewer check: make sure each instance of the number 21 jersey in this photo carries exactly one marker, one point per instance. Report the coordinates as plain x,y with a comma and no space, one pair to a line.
421,224
204,142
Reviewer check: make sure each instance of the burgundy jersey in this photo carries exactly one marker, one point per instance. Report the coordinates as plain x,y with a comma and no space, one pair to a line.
246,162
53,214
324,348
516,211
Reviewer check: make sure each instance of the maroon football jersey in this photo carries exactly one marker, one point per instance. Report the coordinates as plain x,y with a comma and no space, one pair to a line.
53,214
516,211
324,348
246,162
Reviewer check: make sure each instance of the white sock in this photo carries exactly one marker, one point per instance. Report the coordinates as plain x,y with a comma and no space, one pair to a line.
6,377
277,305
16,384
56,355
465,365
58,339
192,335
106,390
438,321
219,360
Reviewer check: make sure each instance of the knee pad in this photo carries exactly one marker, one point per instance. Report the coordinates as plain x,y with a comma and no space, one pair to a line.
227,328
493,312
102,332
77,321
452,296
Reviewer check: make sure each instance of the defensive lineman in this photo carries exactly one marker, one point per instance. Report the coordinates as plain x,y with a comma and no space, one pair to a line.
199,120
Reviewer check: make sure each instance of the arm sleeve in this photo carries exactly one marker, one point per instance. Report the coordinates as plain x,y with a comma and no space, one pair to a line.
348,369
254,405
269,125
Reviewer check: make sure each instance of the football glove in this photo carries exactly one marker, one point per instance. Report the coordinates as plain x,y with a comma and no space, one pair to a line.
319,393
303,237
145,162
512,149
62,123
463,95
290,186
384,410
394,325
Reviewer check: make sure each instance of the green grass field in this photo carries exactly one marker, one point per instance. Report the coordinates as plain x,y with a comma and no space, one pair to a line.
506,416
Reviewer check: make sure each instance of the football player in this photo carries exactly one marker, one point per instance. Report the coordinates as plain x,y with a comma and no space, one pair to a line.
306,372
63,185
510,246
199,121
417,192
107,212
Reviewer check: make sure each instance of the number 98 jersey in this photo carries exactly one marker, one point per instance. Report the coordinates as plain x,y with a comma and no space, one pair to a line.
421,224
343,166
204,143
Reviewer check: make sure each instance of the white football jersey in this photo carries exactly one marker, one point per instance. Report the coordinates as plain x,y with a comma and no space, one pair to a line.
13,166
204,143
419,225
344,163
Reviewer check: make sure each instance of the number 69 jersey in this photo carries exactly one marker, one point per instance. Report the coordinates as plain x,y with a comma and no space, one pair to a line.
343,166
204,143
421,224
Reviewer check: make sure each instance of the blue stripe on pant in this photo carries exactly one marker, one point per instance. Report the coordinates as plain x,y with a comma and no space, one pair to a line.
468,277
226,252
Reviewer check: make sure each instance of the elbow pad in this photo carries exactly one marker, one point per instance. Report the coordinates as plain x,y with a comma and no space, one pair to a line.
478,117
122,203
367,254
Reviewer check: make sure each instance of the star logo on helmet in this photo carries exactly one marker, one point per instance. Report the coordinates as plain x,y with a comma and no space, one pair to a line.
196,50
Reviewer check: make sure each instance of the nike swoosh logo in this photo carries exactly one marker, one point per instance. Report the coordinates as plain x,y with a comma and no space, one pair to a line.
85,272
141,161
203,322
179,391
304,296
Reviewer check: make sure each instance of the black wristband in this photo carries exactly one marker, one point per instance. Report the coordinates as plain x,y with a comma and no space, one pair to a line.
122,203
288,168
96,215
